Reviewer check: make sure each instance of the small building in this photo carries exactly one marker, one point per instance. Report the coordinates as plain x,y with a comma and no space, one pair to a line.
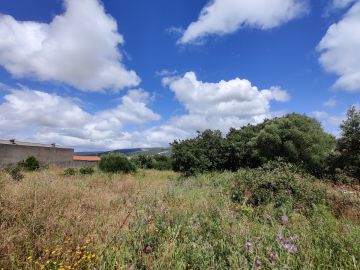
12,151
81,161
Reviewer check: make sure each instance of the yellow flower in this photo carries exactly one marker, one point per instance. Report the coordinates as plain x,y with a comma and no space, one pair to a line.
29,258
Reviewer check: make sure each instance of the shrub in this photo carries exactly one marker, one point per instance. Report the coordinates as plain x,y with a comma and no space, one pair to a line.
15,173
348,146
114,163
87,170
69,172
143,161
162,163
30,164
283,185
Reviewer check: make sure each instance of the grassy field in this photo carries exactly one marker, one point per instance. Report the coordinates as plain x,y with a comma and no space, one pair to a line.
159,220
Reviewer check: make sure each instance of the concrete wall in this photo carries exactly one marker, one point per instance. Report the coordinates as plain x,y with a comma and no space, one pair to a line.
81,163
12,154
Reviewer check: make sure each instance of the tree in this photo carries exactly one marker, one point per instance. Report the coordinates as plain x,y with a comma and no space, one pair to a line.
348,144
294,138
202,154
114,163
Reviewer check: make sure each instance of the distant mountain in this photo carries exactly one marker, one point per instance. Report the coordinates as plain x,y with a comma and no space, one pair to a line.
130,151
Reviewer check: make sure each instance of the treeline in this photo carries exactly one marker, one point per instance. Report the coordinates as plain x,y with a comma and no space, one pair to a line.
294,138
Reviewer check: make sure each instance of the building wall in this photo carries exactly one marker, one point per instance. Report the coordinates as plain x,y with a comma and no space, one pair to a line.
11,154
82,163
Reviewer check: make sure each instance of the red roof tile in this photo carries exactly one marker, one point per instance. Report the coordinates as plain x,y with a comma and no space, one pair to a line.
86,158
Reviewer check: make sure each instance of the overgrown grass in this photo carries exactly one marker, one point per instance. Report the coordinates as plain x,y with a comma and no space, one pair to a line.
159,220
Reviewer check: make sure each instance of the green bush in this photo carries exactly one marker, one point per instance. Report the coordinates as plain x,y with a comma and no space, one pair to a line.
282,185
143,161
157,162
69,172
30,164
87,170
162,163
15,172
115,163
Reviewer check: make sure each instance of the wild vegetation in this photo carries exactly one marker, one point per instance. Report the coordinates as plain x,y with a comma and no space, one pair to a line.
161,220
294,138
279,195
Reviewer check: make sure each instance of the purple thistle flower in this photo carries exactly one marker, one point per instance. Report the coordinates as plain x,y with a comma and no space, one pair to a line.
148,249
285,219
279,237
293,250
258,262
272,258
249,246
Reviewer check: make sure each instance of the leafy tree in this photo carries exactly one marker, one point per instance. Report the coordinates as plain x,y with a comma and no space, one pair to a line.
348,144
294,138
115,163
201,154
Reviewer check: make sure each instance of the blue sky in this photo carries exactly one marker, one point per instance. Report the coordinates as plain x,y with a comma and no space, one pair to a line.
121,73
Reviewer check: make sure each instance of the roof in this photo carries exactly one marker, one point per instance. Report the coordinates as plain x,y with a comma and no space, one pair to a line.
86,158
20,143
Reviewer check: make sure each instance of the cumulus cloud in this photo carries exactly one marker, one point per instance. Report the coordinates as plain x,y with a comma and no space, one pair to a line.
331,103
78,47
221,17
340,52
235,97
50,117
220,105
330,122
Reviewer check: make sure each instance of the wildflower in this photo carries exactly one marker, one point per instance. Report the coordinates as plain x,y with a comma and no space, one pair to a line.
293,250
249,246
148,249
285,219
272,258
258,262
279,237
29,258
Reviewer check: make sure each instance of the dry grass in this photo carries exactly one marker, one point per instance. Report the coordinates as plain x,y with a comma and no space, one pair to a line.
52,221
46,209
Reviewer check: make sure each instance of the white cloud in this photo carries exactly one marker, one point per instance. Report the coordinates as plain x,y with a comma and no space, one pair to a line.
41,116
78,47
331,103
330,122
339,4
221,17
235,97
220,105
340,53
